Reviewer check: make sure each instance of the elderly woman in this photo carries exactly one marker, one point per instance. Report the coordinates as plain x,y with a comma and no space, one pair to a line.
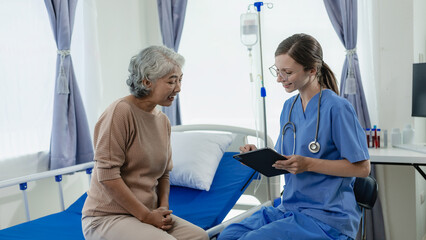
128,195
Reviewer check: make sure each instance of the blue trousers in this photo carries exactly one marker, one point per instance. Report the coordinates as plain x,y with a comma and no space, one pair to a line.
270,223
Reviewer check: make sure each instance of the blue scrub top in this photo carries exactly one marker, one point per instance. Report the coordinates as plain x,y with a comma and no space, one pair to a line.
329,199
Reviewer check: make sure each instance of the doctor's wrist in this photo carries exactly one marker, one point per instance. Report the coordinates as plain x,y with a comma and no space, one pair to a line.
311,164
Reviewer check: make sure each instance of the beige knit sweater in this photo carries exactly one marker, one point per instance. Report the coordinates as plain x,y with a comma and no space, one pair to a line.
134,145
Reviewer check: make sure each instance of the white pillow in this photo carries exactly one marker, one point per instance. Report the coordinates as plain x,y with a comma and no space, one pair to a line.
196,156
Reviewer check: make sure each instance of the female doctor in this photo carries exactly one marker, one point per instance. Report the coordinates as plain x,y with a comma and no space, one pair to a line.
325,149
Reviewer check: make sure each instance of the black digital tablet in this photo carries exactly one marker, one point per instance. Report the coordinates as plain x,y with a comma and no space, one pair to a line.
261,160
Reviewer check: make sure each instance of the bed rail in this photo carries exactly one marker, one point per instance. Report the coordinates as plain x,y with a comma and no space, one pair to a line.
57,173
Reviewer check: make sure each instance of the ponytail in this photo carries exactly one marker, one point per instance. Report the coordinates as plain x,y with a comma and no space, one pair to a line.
327,78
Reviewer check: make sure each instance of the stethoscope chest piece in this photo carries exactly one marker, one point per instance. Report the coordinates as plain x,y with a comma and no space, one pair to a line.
314,147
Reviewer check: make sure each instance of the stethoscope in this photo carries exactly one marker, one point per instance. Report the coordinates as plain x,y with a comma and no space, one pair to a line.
313,146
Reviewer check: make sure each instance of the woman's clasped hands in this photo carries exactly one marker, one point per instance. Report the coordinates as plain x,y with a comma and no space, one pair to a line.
160,218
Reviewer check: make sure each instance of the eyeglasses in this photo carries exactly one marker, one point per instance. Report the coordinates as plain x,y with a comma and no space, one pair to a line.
275,72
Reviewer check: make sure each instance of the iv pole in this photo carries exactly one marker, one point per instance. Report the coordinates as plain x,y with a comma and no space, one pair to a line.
262,89
258,6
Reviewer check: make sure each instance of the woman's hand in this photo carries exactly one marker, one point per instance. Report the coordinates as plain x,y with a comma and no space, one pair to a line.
159,218
247,148
294,164
167,220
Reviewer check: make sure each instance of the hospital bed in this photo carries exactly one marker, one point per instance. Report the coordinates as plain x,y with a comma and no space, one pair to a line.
206,209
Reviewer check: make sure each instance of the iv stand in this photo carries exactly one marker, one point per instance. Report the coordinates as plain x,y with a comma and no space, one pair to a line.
262,90
258,6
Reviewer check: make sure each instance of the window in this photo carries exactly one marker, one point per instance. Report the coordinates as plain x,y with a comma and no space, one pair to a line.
28,54
27,72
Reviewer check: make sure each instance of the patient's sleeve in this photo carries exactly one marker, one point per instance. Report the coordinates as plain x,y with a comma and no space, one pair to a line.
169,167
113,132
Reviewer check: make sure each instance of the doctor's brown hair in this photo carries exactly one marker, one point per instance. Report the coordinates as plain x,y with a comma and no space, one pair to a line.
307,51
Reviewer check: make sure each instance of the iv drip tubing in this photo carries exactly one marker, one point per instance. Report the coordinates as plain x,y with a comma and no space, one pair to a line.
260,48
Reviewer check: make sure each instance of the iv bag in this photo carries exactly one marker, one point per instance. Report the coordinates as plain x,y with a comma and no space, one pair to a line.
249,29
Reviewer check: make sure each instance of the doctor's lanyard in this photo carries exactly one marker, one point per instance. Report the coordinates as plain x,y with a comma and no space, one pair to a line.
313,146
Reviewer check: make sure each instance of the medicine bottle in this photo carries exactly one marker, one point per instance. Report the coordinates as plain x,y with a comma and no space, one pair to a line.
407,134
379,133
385,138
396,136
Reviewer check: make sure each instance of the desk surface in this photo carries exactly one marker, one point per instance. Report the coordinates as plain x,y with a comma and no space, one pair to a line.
396,156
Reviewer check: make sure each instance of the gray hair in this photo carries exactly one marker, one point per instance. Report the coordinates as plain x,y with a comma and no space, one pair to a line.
151,64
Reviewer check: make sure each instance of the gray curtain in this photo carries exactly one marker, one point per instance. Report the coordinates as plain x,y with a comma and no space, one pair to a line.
70,141
344,16
172,16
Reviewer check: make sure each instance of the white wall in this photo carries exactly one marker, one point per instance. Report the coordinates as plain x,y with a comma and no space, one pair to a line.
124,30
401,38
419,52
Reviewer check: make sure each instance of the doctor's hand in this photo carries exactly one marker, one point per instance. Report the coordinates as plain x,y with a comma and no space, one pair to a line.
294,164
159,218
247,148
